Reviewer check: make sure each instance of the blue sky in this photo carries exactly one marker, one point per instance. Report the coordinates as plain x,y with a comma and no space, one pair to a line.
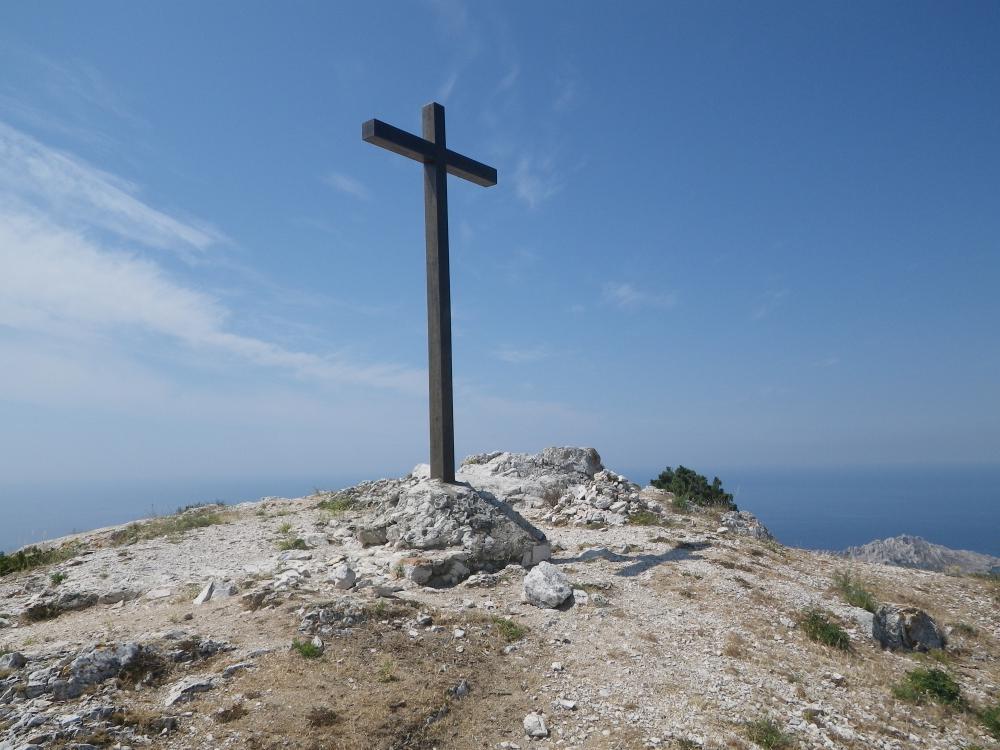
724,234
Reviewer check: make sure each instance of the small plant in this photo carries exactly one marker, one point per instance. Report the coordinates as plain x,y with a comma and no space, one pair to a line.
990,717
290,543
335,504
680,504
646,518
694,488
285,529
854,592
509,630
767,733
818,626
307,649
58,577
922,685
387,671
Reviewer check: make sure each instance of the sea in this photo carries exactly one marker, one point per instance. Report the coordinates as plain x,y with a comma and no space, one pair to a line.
828,509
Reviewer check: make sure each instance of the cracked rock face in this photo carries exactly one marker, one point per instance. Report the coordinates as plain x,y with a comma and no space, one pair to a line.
744,523
455,530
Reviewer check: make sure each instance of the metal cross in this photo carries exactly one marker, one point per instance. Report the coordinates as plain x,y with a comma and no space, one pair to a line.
439,161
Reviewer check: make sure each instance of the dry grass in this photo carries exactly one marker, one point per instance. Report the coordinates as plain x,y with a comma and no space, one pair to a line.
380,689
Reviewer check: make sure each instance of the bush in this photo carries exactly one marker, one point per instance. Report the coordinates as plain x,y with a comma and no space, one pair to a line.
818,627
335,504
693,488
307,649
767,733
647,518
854,591
991,720
921,685
33,557
509,630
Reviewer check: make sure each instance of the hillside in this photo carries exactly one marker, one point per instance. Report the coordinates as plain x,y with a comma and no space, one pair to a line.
393,615
914,552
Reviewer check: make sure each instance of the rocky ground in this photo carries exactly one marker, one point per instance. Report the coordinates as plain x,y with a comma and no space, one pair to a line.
402,614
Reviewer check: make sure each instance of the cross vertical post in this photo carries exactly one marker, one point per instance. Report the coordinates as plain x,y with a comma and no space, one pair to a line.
439,161
442,418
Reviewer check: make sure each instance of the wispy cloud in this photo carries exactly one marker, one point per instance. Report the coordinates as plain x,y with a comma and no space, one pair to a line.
444,92
60,278
508,81
768,302
535,181
55,183
519,355
348,185
628,297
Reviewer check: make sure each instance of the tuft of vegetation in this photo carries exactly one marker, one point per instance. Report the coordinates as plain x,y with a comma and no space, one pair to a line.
509,630
387,671
990,717
289,543
922,685
818,626
693,488
647,518
767,733
335,503
196,517
854,591
58,577
307,649
285,529
35,557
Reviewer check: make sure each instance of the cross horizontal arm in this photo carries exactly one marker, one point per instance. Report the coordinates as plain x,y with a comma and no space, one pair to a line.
399,141
470,169
420,149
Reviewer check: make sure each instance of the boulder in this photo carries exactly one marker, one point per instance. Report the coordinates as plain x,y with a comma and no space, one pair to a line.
432,516
343,577
906,628
13,660
205,594
743,523
546,586
535,727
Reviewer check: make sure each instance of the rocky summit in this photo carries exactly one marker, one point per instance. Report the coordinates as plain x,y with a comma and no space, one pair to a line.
544,601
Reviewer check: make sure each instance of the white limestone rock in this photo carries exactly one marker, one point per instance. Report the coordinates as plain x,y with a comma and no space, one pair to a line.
535,726
546,586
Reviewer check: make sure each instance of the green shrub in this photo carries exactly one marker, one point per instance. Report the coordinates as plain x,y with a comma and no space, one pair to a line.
854,592
335,504
34,557
646,518
767,733
290,543
307,649
509,630
818,626
56,578
693,487
991,720
921,685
